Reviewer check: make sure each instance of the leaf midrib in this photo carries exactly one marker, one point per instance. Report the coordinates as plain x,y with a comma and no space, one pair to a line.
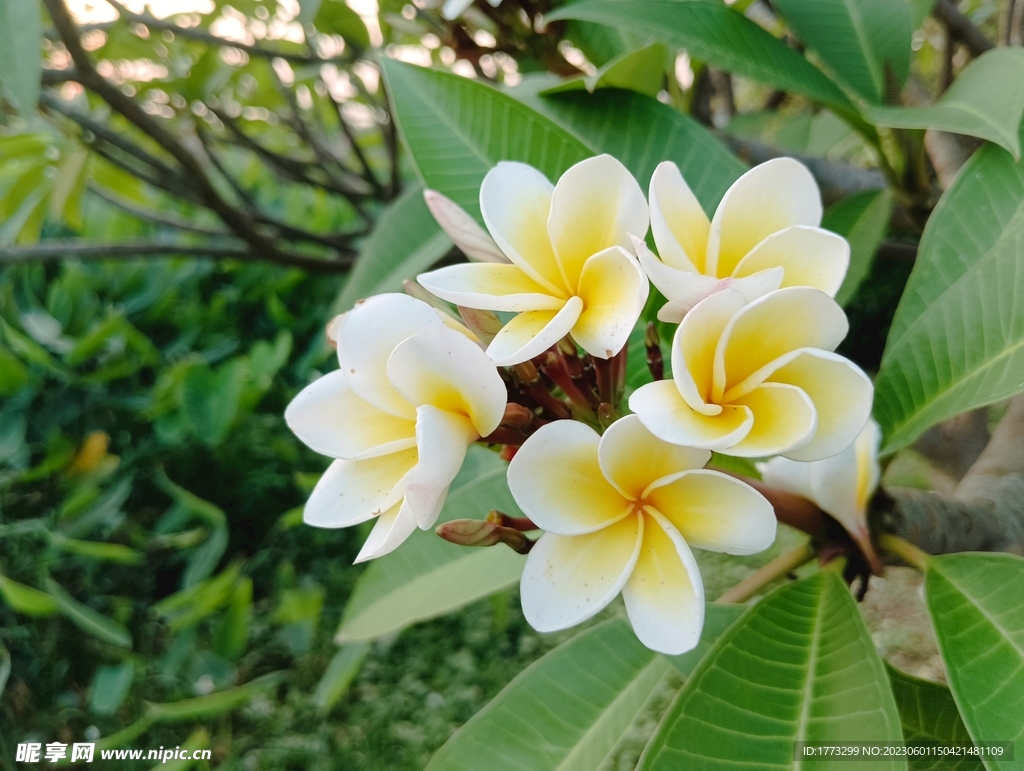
812,661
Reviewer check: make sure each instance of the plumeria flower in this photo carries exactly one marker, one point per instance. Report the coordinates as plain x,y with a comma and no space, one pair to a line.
410,396
764,236
758,378
620,513
841,486
570,271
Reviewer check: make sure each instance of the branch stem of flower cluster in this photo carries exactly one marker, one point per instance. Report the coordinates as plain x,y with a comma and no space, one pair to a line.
768,574
905,550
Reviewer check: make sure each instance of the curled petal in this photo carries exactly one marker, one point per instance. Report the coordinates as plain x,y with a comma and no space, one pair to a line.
596,204
842,396
460,226
768,198
694,345
441,368
515,201
353,491
366,339
442,439
491,287
797,317
715,512
671,281
664,595
678,222
809,256
569,578
329,418
784,419
662,410
389,532
613,289
631,457
557,481
531,333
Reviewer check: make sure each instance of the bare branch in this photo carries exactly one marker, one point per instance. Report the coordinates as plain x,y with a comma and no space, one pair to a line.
162,218
961,28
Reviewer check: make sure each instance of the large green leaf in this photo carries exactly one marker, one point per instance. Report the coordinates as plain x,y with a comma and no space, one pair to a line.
985,101
798,666
21,50
929,718
857,39
979,622
456,129
426,576
863,219
405,242
642,70
642,132
713,32
568,710
957,340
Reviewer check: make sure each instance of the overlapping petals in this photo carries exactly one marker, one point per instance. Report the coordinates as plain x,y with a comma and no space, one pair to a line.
758,378
620,513
841,485
764,235
570,267
410,396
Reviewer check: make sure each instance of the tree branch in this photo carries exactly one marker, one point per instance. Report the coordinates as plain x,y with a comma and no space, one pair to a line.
961,28
129,250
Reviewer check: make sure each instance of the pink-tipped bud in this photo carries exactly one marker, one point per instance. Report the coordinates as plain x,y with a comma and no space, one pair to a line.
482,532
484,324
461,228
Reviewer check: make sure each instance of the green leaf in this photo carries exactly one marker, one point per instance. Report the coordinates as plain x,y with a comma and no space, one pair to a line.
21,48
857,39
214,704
862,219
600,44
209,398
97,550
985,101
642,71
427,576
405,242
233,634
87,619
979,622
642,132
198,740
194,603
109,687
718,35
957,339
25,599
929,717
456,129
336,18
339,674
13,374
798,666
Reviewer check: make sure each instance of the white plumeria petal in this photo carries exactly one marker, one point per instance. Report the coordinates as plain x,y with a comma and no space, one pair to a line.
596,204
809,257
715,512
557,481
453,9
751,287
671,281
765,200
442,439
784,420
353,491
694,345
613,289
459,224
366,339
664,595
531,333
666,415
389,532
443,369
569,578
491,287
515,201
678,223
787,475
768,329
331,419
631,457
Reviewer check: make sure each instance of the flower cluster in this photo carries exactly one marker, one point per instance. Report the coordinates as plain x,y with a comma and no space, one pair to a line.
621,500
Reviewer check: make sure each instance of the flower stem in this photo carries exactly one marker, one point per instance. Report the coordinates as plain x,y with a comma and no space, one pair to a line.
905,550
765,575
